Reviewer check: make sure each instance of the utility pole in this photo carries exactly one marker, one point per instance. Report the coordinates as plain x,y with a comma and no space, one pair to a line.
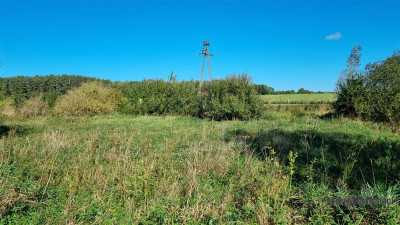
207,54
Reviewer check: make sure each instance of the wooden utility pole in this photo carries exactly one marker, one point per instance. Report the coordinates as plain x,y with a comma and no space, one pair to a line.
207,54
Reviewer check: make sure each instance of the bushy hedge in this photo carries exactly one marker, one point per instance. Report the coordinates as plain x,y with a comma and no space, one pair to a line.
161,97
373,94
382,90
90,99
231,98
226,99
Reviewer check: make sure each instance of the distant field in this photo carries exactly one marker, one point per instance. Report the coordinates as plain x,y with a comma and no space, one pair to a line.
299,98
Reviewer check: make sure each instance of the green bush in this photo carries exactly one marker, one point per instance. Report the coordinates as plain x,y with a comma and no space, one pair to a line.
90,99
231,98
50,98
382,91
161,98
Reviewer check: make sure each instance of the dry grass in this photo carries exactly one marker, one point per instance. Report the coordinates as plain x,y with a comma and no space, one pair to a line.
8,109
128,167
152,170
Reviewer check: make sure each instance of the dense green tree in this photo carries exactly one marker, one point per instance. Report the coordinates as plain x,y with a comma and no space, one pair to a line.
22,87
373,94
303,91
263,89
381,100
285,92
350,83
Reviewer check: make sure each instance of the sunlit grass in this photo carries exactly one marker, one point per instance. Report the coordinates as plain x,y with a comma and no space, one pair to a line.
123,169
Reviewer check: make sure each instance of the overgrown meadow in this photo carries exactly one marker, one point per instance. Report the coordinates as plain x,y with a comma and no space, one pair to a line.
168,152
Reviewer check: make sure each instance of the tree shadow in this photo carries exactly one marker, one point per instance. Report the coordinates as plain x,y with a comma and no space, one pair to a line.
329,116
328,156
6,131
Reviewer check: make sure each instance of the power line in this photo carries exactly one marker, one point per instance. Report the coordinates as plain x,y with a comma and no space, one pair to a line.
207,54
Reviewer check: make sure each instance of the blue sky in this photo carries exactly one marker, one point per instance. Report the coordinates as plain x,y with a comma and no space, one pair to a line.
284,44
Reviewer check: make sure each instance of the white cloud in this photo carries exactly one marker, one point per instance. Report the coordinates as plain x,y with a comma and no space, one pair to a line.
335,36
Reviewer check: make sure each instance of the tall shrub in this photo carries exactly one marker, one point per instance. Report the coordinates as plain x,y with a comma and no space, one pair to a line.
34,107
161,97
90,99
7,108
382,84
231,98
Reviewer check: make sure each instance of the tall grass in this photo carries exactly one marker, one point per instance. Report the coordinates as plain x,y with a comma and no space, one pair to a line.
157,170
131,170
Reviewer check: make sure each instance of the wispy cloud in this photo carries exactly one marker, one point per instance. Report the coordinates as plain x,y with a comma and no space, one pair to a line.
335,36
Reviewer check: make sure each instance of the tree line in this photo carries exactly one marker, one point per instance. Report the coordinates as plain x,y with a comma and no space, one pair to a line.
264,89
21,88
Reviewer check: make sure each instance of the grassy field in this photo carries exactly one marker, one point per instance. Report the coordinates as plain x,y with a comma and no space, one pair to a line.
299,98
121,169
